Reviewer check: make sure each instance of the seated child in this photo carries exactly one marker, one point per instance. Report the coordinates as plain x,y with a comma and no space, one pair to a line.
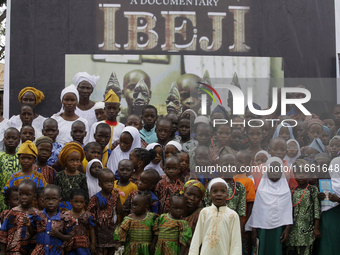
171,233
80,242
11,200
184,174
78,131
99,111
93,150
136,121
140,158
50,129
102,136
149,117
92,170
40,200
172,148
217,220
105,205
135,232
44,145
170,184
156,162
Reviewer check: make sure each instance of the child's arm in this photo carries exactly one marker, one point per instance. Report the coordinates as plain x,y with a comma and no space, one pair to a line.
27,223
183,247
316,231
285,234
3,249
57,234
93,240
153,244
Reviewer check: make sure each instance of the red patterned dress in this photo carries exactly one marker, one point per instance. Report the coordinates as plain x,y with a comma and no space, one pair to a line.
48,172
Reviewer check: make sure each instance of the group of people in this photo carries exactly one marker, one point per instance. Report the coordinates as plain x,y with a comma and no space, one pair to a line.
82,182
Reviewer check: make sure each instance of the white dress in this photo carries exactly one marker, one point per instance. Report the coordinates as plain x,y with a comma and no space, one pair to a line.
89,115
218,231
3,127
37,123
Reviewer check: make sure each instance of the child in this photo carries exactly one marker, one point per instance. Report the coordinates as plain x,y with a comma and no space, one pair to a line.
27,133
170,184
80,242
105,206
40,200
334,145
293,152
149,117
92,170
300,133
51,226
156,162
136,229
201,160
238,122
136,121
254,136
306,213
174,124
284,131
50,129
272,212
171,233
70,157
11,200
44,145
260,158
314,129
93,150
336,112
184,174
326,136
184,124
314,148
267,134
78,131
27,155
13,234
218,227
140,158
129,140
103,136
99,111
222,136
172,148
163,131
27,114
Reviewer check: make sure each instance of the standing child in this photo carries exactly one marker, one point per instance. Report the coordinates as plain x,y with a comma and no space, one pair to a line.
102,136
99,111
184,174
92,170
13,234
78,131
218,227
140,158
254,136
27,133
171,233
93,150
184,124
163,131
172,148
156,162
293,152
80,242
136,229
105,206
136,121
149,117
11,200
40,199
50,129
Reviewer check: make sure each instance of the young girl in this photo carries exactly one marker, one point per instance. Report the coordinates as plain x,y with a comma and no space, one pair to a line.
129,140
156,162
184,171
70,157
13,234
284,131
136,229
300,133
80,242
218,227
314,129
51,226
306,213
105,206
326,136
272,211
171,148
11,200
334,145
171,233
293,152
92,170
140,158
136,121
260,158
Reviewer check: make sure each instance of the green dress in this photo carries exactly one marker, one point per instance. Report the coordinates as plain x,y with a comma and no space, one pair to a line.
270,241
136,234
171,235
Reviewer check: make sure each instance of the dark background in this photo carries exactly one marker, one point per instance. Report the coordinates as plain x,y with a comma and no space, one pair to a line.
42,32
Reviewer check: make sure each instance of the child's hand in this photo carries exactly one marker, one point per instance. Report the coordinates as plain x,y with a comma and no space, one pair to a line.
93,248
334,198
254,235
55,233
285,234
117,192
316,233
27,221
321,196
152,249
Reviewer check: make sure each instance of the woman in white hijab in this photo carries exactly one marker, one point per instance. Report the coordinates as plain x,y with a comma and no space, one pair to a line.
122,151
272,211
156,162
92,180
66,117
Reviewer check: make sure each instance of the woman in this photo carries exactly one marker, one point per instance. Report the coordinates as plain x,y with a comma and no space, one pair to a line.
85,84
66,117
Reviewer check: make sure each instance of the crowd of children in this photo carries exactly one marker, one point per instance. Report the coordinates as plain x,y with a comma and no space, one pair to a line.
146,186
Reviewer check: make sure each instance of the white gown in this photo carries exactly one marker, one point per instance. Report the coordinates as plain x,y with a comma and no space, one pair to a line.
89,115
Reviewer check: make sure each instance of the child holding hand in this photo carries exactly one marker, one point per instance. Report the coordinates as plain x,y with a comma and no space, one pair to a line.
11,200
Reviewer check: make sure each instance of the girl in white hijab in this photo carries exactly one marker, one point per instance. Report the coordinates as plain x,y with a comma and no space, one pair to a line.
156,162
171,148
272,209
293,152
92,176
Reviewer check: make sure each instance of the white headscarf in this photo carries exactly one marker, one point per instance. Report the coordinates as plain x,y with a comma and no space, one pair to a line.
99,105
157,167
277,131
263,152
92,183
290,160
117,154
273,203
84,76
335,177
176,144
216,180
68,89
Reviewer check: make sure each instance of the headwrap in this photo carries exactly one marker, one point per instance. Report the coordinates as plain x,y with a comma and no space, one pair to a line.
202,119
222,110
317,145
327,115
277,131
176,144
328,130
69,89
157,167
92,183
290,161
28,147
152,146
43,139
191,111
99,105
84,76
39,96
111,97
335,177
314,121
334,137
193,183
323,155
262,152
67,150
216,180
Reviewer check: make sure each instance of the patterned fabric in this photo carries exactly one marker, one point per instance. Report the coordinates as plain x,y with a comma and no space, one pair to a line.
80,242
19,177
187,146
236,202
43,224
194,183
164,189
55,153
143,143
2,216
136,234
171,235
128,202
126,189
14,234
105,212
48,172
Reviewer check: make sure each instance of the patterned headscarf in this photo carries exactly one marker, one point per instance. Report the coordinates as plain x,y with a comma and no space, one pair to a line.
195,184
39,96
68,149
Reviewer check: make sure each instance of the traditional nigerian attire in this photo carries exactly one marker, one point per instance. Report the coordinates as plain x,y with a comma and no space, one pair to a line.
218,231
128,202
157,167
18,177
92,183
68,149
56,148
48,172
39,95
116,131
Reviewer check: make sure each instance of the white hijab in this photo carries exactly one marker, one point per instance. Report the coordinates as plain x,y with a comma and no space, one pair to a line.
92,183
335,177
69,89
273,202
290,160
117,154
84,76
157,167
176,144
262,152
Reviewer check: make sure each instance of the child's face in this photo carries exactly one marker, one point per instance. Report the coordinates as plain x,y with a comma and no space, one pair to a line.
254,136
93,152
301,179
163,131
145,182
100,114
174,122
158,158
111,111
216,116
266,130
311,152
26,161
102,136
106,182
40,202
125,170
11,139
183,161
202,157
78,203
125,141
219,194
242,160
149,117
223,135
73,161
249,115
78,132
230,162
171,168
44,151
336,113
300,132
26,195
278,149
325,137
26,115
314,131
260,159
170,150
330,124
69,102
95,168
51,200
203,135
284,133
274,172
193,196
240,126
13,200
292,149
134,121
27,133
177,207
135,160
51,130
335,147
184,128
139,205
236,139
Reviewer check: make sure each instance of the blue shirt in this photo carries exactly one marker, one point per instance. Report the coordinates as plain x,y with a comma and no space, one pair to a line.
55,153
154,202
149,137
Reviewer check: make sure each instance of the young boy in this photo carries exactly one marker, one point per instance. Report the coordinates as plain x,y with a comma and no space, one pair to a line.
78,132
27,133
50,129
92,150
103,137
174,124
254,136
136,121
336,113
163,131
40,200
99,111
236,139
201,161
184,134
149,117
